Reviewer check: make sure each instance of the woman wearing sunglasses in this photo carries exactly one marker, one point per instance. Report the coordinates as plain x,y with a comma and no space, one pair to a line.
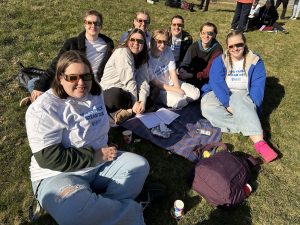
76,177
96,46
234,102
125,92
141,21
173,92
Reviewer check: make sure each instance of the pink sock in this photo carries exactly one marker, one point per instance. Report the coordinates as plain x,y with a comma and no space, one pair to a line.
267,153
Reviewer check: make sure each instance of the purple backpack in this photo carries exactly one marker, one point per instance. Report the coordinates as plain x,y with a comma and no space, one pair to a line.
220,179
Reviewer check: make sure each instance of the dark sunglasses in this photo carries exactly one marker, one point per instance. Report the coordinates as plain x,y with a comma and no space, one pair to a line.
76,77
139,41
161,41
141,21
177,24
209,33
238,45
96,23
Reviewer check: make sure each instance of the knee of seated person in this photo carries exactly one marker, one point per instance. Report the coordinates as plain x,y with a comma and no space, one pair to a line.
180,103
140,163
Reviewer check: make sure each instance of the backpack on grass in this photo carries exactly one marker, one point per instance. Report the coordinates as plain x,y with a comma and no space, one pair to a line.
27,73
221,178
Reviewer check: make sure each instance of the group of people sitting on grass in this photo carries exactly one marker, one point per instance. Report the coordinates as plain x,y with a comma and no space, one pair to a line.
77,176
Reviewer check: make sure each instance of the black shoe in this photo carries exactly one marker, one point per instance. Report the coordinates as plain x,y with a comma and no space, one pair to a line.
151,193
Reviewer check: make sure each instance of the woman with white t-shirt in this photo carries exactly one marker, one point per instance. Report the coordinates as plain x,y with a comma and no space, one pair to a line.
173,92
234,100
76,177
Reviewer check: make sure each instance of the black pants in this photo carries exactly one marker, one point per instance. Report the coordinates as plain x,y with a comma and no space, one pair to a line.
240,18
284,7
205,5
117,98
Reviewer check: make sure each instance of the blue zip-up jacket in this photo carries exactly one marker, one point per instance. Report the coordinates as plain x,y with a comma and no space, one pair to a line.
256,73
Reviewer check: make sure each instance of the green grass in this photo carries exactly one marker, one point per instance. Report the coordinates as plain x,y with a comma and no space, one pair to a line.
33,31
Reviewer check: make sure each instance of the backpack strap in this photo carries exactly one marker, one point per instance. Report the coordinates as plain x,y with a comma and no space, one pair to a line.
252,162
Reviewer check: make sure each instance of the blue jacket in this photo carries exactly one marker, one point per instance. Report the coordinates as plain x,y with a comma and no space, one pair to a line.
256,79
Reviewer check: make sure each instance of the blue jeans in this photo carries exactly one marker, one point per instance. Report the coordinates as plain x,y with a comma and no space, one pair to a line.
102,196
30,84
244,118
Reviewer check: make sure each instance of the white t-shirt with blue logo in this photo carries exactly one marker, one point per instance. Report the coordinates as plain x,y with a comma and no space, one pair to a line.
161,66
75,123
236,78
175,47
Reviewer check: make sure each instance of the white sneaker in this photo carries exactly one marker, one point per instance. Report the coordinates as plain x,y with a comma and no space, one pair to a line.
150,1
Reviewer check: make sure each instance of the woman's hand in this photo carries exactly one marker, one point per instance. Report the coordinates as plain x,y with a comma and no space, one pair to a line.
138,107
178,90
229,109
35,94
109,153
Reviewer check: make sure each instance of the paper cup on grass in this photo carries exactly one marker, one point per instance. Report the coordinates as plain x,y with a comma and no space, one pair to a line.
178,209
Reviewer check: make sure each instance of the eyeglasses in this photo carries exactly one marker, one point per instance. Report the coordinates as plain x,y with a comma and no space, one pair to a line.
139,41
141,21
238,45
177,24
76,77
96,23
209,33
161,41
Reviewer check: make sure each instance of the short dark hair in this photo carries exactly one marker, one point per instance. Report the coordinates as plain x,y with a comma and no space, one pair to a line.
141,57
65,60
209,24
177,17
94,13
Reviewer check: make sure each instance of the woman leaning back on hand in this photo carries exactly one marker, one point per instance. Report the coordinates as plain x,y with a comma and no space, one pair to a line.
77,177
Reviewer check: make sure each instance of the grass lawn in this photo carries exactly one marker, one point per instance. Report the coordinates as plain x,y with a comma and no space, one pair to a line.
32,32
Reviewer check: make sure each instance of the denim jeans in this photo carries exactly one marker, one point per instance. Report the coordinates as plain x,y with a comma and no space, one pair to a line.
30,84
244,118
102,196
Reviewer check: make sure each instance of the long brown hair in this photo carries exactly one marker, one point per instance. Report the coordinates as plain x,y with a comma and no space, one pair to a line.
65,60
141,57
246,50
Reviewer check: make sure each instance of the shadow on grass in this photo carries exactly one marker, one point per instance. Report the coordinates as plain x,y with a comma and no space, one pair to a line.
274,93
225,10
240,215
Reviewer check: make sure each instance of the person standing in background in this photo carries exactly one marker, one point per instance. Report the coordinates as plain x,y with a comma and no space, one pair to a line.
240,18
284,7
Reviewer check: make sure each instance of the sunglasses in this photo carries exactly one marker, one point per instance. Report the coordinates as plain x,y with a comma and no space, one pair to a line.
209,33
76,77
139,41
141,21
177,24
96,23
238,45
161,41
